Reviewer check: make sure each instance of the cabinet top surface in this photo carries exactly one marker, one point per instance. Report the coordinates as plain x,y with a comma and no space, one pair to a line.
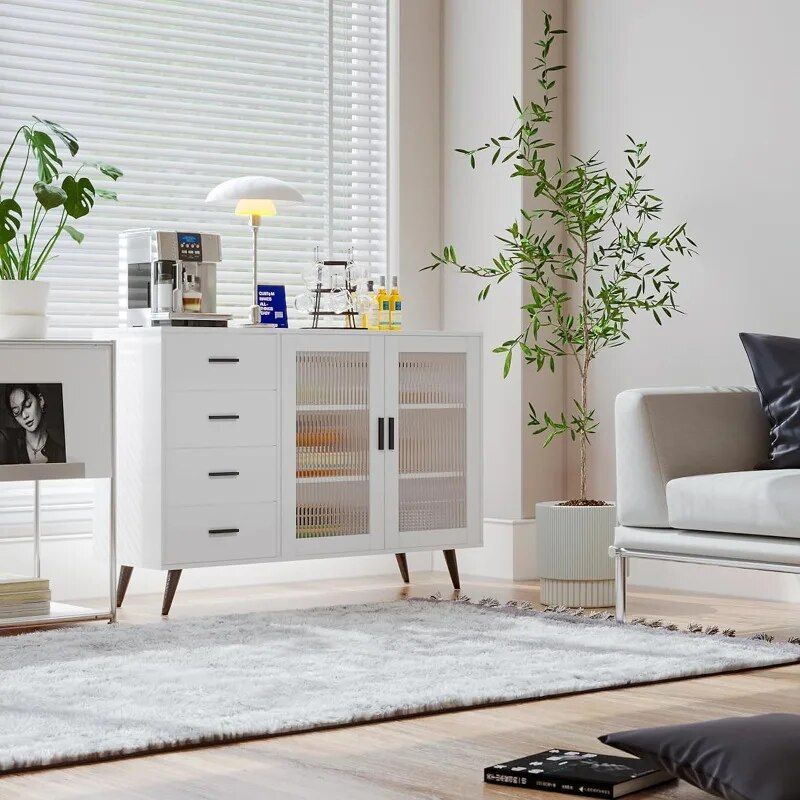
259,331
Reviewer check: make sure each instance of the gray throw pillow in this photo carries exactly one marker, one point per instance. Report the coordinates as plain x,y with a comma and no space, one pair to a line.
738,758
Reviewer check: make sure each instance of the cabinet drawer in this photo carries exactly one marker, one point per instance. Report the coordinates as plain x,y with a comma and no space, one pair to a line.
221,419
221,475
220,360
221,533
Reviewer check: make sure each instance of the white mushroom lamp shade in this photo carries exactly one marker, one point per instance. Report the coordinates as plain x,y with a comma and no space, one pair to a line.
254,196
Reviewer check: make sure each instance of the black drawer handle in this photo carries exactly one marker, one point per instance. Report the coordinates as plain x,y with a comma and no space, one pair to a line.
380,433
223,416
391,433
223,360
223,531
230,474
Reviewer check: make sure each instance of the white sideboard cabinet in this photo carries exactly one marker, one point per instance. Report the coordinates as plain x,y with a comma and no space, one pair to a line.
239,446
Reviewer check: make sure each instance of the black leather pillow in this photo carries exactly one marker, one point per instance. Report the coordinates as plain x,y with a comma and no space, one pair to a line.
775,361
738,758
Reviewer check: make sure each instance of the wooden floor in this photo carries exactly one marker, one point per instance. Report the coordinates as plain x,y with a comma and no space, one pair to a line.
439,756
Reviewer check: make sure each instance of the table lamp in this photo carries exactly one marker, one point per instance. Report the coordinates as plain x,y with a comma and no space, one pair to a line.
255,197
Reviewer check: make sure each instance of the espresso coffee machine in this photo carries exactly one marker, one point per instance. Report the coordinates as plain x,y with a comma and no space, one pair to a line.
169,278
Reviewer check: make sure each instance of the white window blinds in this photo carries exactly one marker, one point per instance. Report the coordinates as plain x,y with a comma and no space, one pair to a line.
181,95
184,94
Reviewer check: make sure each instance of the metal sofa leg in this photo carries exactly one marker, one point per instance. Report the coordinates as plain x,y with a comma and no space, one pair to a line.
620,588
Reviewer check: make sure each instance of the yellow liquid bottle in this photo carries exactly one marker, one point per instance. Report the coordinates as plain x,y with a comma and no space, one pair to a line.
395,308
382,301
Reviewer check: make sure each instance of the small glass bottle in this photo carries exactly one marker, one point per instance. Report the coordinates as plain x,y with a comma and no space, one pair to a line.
372,317
395,307
382,302
192,295
366,304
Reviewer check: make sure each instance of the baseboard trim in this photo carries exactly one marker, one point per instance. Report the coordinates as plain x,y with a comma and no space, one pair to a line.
508,552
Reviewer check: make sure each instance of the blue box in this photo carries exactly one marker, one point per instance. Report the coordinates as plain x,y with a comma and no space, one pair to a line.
272,301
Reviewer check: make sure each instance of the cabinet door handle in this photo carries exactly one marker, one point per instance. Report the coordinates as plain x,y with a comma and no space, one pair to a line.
213,360
223,531
380,433
231,474
391,433
223,416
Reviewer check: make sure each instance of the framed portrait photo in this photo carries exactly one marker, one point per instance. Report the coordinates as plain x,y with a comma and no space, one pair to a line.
32,423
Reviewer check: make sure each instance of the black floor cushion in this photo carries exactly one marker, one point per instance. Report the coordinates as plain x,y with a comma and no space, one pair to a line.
738,758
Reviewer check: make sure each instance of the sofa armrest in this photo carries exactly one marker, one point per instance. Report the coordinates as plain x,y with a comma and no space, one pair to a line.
669,433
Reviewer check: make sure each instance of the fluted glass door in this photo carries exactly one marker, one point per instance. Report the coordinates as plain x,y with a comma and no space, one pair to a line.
429,474
332,444
431,442
332,455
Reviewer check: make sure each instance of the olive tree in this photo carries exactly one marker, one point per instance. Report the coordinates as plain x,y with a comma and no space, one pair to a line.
588,252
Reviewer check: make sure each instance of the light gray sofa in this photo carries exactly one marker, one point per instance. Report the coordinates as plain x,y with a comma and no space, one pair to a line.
686,487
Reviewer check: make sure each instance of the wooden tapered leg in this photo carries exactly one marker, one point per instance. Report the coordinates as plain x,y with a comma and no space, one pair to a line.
122,583
452,568
402,562
173,576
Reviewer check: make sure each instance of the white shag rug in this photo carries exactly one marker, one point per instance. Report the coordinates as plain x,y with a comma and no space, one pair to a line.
92,692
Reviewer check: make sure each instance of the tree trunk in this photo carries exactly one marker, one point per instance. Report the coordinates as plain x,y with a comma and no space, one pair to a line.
583,441
585,369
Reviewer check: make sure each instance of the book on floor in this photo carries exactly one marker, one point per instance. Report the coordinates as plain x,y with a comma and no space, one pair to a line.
579,773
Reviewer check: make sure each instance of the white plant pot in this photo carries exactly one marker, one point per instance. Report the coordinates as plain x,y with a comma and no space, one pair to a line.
23,309
572,548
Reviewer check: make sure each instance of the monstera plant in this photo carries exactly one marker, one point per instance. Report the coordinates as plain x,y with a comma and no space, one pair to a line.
32,224
58,189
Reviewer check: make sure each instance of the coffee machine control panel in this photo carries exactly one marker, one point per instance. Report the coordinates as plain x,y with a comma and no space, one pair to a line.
190,247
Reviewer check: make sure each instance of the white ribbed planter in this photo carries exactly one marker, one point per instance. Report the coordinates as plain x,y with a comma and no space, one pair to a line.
572,550
23,309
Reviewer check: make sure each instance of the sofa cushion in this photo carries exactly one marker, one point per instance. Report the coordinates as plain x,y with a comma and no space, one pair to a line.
669,433
775,361
760,503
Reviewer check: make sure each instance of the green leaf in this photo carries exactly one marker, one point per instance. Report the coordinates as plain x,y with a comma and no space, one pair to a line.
107,194
69,140
44,150
507,364
74,233
80,196
50,195
109,170
10,219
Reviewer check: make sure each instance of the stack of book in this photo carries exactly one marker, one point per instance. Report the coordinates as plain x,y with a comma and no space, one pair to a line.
22,596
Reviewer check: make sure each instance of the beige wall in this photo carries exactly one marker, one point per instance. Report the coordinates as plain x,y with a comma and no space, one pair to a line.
718,106
716,102
485,55
712,86
414,156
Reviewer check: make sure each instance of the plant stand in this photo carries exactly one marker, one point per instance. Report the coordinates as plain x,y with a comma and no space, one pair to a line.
86,371
59,612
572,550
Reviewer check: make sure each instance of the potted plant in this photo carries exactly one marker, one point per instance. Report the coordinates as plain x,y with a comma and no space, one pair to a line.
26,248
591,260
